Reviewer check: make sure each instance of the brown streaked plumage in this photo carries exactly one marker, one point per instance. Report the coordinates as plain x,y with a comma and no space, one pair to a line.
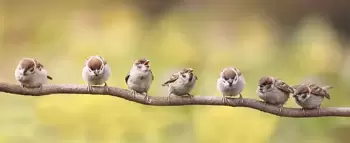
319,91
283,86
95,63
313,89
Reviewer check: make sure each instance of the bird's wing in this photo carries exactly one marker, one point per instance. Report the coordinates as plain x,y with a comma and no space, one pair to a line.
127,78
40,66
283,86
172,79
319,91
152,74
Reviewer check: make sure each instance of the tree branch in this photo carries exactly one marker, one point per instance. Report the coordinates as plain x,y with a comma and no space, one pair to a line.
174,100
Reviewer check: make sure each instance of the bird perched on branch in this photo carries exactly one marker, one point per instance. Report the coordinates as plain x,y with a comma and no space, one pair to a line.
181,83
140,77
231,83
274,91
31,73
96,71
310,96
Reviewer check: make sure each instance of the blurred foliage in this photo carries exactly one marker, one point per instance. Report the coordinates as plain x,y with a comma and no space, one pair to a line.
207,37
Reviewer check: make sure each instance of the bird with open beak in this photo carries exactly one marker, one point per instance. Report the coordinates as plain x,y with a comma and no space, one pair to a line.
140,77
181,83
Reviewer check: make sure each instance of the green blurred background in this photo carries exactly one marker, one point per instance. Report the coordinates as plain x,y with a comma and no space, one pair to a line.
297,41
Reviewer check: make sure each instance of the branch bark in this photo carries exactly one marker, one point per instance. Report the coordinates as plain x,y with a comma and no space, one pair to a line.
174,100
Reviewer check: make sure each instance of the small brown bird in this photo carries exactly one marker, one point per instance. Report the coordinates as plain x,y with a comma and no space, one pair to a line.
274,91
96,71
31,73
181,83
231,83
310,96
140,77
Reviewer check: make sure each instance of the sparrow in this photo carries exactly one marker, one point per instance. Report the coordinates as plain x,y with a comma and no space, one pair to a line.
181,83
274,91
30,73
140,77
310,96
96,71
231,83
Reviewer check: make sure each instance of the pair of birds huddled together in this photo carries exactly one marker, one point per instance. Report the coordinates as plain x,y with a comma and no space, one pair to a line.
231,82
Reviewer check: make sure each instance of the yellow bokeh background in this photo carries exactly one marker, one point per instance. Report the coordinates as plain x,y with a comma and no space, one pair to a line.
62,34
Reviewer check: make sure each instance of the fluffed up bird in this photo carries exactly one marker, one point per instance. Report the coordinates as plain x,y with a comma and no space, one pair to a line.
181,83
140,77
231,83
96,71
274,91
30,73
310,96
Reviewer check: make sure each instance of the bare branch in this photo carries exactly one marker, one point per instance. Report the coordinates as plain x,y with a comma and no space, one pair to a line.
174,100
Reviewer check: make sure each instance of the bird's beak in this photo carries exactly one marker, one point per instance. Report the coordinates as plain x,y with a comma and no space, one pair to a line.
230,82
146,63
96,73
23,72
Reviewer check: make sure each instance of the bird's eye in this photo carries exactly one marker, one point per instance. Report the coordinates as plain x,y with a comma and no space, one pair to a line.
147,66
31,70
138,66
